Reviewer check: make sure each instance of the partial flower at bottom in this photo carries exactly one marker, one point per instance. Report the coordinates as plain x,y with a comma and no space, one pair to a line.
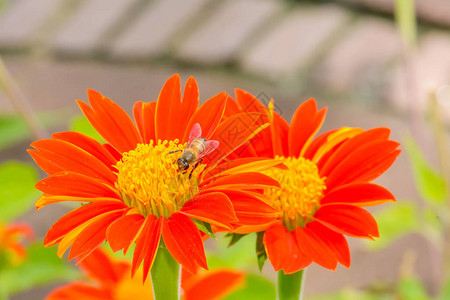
107,278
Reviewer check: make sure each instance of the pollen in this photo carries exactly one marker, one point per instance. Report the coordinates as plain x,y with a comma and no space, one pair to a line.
148,178
301,189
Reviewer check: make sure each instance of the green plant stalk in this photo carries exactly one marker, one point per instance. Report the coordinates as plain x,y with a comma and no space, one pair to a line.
440,137
290,286
405,17
165,276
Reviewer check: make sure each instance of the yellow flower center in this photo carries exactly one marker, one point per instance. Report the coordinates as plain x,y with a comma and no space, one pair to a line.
148,178
300,192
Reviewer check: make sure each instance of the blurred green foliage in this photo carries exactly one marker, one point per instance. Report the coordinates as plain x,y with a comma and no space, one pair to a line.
429,182
41,267
12,131
394,221
17,192
81,124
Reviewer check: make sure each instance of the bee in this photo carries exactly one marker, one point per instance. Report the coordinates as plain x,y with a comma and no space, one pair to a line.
196,148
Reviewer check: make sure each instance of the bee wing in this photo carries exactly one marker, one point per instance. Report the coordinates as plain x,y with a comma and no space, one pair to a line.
196,132
210,147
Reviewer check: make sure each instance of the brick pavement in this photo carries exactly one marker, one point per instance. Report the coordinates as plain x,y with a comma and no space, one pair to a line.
333,46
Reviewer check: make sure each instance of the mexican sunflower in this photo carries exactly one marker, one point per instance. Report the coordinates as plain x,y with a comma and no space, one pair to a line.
131,188
324,188
107,278
12,250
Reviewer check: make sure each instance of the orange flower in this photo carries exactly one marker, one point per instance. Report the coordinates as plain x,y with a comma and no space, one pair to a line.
11,236
326,184
134,190
110,279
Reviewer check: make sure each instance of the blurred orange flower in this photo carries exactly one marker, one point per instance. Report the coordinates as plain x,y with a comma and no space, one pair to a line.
134,190
12,250
110,279
326,184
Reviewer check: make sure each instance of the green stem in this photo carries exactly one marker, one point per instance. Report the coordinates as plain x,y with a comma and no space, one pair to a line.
290,285
165,276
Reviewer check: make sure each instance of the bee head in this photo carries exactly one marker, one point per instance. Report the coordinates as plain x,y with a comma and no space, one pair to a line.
182,164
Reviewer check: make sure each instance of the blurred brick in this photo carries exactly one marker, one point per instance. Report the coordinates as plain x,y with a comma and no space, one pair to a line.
294,42
22,20
151,34
436,11
86,31
225,32
368,46
429,70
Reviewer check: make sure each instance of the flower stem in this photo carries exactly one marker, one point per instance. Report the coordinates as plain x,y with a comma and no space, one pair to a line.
165,276
290,285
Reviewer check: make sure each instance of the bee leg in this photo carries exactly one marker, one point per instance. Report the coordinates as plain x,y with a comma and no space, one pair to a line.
199,161
174,151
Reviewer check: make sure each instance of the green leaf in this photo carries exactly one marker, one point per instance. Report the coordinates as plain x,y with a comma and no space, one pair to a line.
81,124
41,267
430,183
256,287
260,250
17,192
395,221
235,237
205,227
406,21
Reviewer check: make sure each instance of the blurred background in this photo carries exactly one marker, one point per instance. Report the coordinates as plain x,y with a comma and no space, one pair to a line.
370,61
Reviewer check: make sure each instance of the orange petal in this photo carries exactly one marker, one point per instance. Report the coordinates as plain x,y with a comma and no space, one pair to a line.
247,180
45,200
184,242
214,285
89,145
250,210
249,103
208,115
336,242
364,164
111,121
55,156
79,290
75,185
349,220
359,194
123,231
172,114
231,108
305,123
282,250
144,115
248,164
93,235
100,267
113,151
232,133
351,144
77,217
280,135
214,208
147,244
313,246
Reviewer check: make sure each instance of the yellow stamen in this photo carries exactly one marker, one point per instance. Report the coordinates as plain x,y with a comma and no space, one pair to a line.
300,192
148,178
